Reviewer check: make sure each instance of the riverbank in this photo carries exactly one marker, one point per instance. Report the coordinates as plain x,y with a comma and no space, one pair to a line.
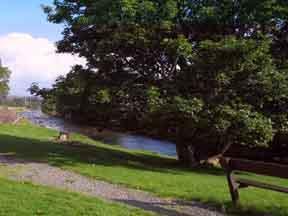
117,127
107,136
136,140
159,175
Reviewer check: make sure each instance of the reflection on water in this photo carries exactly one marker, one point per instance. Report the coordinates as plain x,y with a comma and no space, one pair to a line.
108,137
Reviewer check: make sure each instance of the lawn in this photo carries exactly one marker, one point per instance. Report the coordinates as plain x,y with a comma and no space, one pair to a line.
141,170
26,199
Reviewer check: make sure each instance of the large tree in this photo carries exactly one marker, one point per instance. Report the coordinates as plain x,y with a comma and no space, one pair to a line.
213,71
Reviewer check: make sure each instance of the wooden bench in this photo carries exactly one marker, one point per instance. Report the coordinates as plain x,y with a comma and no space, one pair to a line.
261,168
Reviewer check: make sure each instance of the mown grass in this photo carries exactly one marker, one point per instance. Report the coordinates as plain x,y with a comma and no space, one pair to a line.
25,199
141,170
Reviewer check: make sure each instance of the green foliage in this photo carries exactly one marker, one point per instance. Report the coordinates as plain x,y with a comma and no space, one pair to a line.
155,101
236,78
179,46
205,70
243,126
103,96
4,81
189,108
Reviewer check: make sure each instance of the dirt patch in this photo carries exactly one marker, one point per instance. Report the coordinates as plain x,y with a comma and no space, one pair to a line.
7,115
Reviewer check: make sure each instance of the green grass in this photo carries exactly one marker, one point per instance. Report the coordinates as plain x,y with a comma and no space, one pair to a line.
25,199
141,170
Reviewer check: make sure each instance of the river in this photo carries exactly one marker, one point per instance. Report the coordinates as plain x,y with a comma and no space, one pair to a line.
125,140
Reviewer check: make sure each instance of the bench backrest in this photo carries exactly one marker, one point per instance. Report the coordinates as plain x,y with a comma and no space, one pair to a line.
260,168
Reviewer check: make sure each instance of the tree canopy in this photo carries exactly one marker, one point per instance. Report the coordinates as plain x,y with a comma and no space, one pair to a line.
210,74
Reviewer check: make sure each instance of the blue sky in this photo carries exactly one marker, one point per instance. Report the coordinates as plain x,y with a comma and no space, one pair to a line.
27,16
27,45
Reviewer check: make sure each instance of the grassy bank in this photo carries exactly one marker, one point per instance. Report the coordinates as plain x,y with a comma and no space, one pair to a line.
142,170
25,200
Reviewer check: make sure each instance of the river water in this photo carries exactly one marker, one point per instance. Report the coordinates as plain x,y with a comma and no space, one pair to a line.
129,141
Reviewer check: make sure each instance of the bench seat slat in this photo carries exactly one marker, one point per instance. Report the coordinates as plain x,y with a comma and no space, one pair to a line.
261,168
263,185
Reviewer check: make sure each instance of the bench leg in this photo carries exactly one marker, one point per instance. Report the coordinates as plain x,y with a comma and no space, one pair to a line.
233,186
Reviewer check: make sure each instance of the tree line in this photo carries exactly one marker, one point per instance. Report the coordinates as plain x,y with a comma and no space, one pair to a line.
29,102
210,75
4,81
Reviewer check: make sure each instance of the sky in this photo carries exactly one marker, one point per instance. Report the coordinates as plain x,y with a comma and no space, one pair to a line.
27,45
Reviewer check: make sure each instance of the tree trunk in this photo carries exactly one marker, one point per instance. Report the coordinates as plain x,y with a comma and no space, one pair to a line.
223,150
187,155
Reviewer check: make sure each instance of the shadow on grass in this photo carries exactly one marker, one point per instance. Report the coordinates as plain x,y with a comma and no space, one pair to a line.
72,153
160,207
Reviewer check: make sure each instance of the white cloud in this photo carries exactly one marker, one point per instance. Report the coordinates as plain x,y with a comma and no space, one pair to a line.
33,60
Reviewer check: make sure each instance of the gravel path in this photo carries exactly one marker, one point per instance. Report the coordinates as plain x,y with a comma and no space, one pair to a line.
44,174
